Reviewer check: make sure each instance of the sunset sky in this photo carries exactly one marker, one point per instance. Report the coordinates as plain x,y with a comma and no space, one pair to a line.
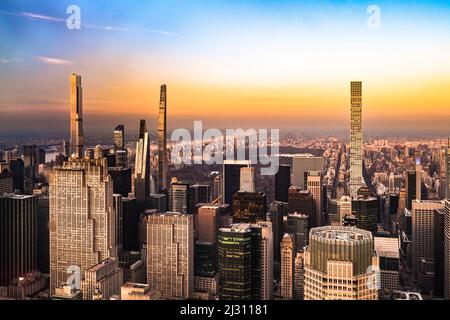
272,64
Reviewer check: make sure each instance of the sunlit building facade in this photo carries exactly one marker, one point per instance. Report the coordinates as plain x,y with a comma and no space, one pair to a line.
82,218
341,264
356,138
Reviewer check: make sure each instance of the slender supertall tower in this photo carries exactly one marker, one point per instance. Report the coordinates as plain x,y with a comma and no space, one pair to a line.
162,140
418,178
76,116
447,173
356,138
142,165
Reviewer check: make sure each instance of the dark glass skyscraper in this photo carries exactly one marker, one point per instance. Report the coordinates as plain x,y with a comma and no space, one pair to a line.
249,207
245,264
282,183
365,209
277,210
18,251
232,178
30,164
121,178
410,178
18,170
301,201
43,233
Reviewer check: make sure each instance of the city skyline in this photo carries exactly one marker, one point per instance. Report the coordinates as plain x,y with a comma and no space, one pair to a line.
254,151
248,60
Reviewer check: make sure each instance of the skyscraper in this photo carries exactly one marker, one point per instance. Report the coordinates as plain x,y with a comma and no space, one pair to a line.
356,138
6,182
301,165
162,140
179,197
389,255
121,158
121,178
200,193
76,116
247,179
41,156
105,276
142,166
218,189
18,169
130,223
423,235
418,179
297,225
232,178
265,262
43,235
314,185
66,148
82,218
299,276
235,256
30,165
282,183
207,227
447,173
439,252
170,254
119,137
245,261
411,182
301,201
344,257
249,207
365,210
277,210
288,252
18,250
447,248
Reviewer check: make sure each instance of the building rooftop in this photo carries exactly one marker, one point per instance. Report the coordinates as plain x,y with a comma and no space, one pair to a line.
237,228
387,247
305,155
135,285
210,207
16,196
340,233
102,264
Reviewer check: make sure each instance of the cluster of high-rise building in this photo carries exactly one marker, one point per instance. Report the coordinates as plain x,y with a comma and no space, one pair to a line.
100,224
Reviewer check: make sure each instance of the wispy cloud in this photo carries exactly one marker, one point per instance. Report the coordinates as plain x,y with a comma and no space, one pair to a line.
47,18
55,61
4,61
166,33
42,17
37,16
104,28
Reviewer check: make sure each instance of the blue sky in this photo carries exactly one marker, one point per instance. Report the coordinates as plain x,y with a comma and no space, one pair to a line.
295,56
